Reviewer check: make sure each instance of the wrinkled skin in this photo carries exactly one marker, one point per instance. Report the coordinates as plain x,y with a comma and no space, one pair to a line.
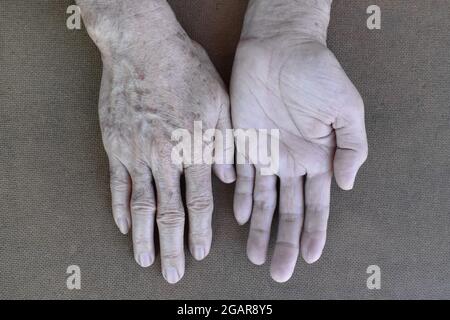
155,80
290,81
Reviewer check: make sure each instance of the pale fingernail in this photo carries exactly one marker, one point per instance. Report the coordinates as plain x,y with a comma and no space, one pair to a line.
230,175
145,260
199,252
349,186
123,225
256,253
313,251
171,275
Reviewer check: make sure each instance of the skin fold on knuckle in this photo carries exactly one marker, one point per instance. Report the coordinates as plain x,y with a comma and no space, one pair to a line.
262,205
259,233
143,208
291,218
200,205
198,234
316,209
142,243
119,183
287,244
170,220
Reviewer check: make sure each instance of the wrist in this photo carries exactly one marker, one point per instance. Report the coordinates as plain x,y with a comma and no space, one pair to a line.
293,19
123,24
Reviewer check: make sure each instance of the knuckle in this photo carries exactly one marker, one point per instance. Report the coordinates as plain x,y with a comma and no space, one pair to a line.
202,204
145,208
119,184
119,207
259,231
201,232
244,179
290,217
171,254
243,193
265,189
263,206
141,203
286,244
142,242
170,219
317,209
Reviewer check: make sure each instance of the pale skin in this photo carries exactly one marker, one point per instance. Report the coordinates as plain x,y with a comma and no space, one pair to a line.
156,80
286,78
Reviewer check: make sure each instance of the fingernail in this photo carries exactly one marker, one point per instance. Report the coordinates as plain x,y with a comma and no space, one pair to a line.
171,275
199,252
145,260
312,252
230,175
123,225
255,253
349,186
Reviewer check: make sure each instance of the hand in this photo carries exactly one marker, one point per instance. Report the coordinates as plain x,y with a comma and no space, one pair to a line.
285,78
156,80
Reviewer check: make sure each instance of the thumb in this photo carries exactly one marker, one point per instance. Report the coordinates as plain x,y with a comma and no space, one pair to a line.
352,148
224,147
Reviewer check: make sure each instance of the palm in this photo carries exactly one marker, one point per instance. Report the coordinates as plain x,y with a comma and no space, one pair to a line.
303,91
297,91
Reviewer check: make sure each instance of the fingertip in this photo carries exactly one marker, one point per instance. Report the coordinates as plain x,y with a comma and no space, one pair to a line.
312,250
226,173
279,275
256,258
145,259
242,221
345,179
200,252
124,225
310,258
345,185
255,254
283,262
242,207
172,275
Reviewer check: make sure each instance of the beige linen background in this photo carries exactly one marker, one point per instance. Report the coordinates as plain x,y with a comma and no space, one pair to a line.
54,194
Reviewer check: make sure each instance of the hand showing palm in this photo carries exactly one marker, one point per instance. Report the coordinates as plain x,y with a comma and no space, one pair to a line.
301,89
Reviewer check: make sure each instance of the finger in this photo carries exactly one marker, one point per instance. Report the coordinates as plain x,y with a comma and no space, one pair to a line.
291,206
199,201
143,216
264,203
170,220
224,146
225,172
120,193
352,148
243,193
317,204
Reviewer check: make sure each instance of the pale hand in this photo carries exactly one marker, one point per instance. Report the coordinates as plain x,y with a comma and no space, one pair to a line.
296,85
156,80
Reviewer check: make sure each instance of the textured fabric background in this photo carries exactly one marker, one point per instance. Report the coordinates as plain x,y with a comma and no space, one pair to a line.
54,195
